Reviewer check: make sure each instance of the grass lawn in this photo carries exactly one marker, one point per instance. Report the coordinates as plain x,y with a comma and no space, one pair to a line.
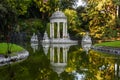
109,44
13,47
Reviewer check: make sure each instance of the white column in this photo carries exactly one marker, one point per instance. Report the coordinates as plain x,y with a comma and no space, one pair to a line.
66,30
66,54
58,30
63,55
119,71
53,54
63,30
58,51
115,69
117,11
50,31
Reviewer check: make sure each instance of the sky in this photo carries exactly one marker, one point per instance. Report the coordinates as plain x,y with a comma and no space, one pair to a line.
80,3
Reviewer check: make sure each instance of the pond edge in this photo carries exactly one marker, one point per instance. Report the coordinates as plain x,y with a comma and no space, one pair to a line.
10,59
111,50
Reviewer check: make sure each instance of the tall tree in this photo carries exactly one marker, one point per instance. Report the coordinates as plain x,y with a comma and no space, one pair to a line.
82,23
100,15
47,7
7,17
68,4
20,6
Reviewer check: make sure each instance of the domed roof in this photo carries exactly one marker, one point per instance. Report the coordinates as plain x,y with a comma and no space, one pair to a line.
58,15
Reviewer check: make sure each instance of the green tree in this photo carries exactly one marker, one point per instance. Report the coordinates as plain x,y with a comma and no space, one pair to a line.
73,21
20,6
82,23
46,8
100,15
68,4
7,18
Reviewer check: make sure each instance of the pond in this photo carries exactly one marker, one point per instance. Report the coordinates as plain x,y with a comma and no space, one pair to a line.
63,62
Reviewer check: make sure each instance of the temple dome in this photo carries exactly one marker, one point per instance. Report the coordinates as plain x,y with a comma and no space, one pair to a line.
58,15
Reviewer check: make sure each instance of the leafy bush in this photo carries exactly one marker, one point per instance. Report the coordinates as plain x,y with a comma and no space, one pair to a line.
32,25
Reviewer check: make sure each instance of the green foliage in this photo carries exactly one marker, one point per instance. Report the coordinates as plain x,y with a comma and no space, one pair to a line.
99,15
110,44
110,33
117,2
13,10
7,17
32,25
4,47
79,61
82,23
71,17
38,25
73,21
20,6
46,8
68,4
117,21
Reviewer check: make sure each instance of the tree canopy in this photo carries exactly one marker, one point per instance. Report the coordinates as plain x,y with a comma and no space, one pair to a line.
7,17
96,16
99,15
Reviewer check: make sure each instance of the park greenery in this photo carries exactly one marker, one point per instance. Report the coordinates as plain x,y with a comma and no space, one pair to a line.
5,47
100,18
38,65
109,44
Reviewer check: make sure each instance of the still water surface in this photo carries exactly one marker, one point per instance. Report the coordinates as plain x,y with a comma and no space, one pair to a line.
63,62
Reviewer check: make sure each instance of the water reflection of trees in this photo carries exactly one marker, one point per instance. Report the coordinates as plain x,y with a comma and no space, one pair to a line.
94,65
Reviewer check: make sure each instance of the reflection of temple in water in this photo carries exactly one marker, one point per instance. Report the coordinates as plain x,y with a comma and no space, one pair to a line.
57,54
58,57
117,70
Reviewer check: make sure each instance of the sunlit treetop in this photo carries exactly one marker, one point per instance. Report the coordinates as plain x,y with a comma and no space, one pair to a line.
20,6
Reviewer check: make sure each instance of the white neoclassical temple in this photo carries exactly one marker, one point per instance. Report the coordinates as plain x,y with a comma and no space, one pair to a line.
58,19
58,29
